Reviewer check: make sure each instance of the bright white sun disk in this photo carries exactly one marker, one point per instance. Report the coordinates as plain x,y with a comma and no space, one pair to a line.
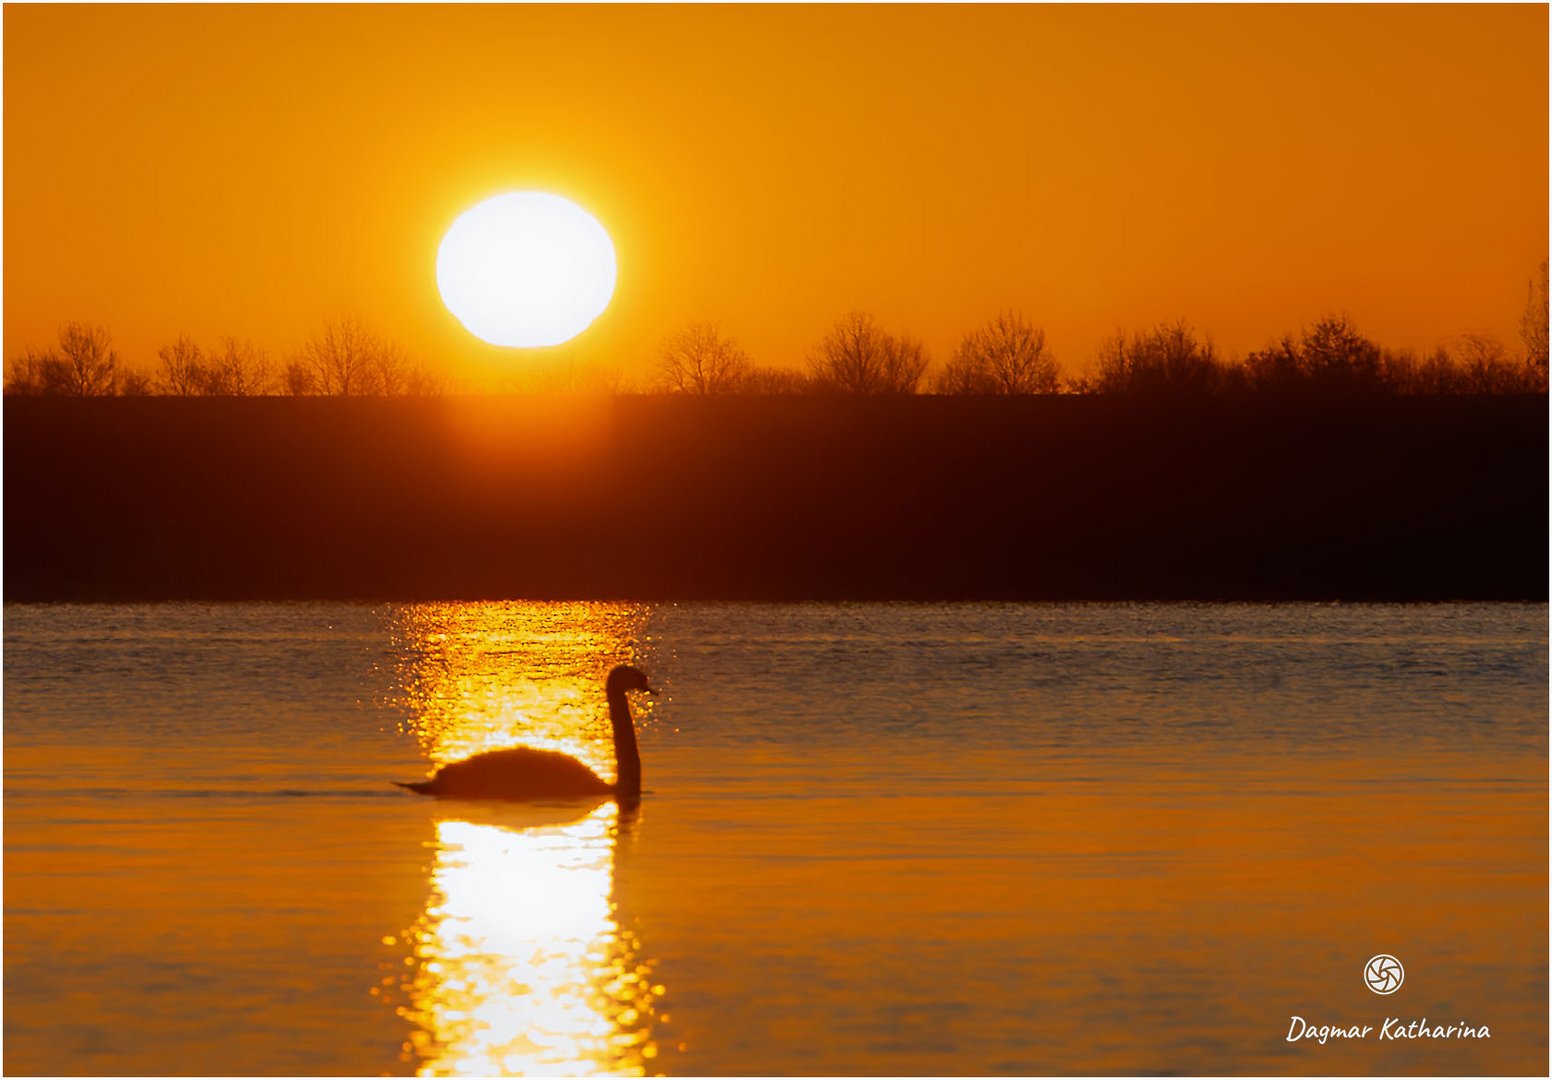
526,269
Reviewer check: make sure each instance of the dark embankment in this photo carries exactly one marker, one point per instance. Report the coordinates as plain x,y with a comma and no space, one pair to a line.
775,498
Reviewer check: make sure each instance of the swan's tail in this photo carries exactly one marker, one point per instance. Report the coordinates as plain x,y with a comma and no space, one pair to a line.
420,787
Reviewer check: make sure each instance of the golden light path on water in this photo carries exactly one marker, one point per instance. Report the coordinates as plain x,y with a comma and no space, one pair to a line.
520,963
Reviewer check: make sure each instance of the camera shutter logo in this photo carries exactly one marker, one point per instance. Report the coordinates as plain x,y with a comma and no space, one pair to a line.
1384,974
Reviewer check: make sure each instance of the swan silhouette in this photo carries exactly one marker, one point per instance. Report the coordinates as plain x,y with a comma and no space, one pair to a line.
525,773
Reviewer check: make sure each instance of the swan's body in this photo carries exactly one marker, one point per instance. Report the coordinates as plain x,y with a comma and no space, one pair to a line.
526,773
537,774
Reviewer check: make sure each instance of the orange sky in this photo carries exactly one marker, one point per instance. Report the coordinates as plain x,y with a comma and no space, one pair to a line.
255,170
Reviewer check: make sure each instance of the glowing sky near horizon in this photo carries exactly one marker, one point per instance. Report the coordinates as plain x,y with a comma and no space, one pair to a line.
254,171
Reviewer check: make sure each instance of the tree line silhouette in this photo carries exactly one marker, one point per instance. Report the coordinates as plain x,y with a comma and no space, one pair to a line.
343,359
1008,355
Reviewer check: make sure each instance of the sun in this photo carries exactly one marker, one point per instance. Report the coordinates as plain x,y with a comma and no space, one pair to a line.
526,269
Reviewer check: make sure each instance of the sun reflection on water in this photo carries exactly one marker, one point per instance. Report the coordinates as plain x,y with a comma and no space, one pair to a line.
523,967
521,963
486,676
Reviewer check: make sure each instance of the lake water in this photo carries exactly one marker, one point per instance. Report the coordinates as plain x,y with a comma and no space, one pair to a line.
876,839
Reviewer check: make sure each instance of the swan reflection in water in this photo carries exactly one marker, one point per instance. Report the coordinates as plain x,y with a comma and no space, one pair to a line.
521,963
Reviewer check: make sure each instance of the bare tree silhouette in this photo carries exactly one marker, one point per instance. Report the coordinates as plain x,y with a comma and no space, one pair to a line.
343,358
85,366
773,380
857,357
698,360
389,370
1533,328
1437,373
348,360
1082,382
298,379
240,370
1331,357
1166,360
1277,368
135,384
91,365
237,370
1486,368
36,373
1337,357
1006,356
1404,373
184,373
422,381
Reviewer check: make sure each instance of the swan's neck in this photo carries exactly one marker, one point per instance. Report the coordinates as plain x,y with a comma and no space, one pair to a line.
627,759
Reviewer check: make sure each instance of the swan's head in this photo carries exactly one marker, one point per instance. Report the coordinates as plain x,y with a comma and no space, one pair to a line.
625,678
